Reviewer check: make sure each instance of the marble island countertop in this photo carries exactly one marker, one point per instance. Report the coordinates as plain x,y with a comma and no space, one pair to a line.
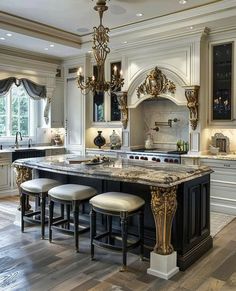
148,173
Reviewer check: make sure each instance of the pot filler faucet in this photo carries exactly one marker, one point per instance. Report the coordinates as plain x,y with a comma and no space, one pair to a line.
169,123
16,140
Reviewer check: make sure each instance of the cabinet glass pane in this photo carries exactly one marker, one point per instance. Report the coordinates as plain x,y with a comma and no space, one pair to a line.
98,102
222,82
98,107
115,111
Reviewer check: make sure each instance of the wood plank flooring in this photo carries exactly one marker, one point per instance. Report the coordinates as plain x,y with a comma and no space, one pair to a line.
29,263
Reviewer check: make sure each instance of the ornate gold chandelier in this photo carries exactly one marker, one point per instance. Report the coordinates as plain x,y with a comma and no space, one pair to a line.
100,51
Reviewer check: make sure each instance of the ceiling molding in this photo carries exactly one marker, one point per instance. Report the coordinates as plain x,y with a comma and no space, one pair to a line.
29,55
38,30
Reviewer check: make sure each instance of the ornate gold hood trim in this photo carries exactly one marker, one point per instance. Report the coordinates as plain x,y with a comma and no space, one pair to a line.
155,84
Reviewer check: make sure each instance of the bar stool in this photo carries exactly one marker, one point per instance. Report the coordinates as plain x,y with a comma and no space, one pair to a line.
72,196
121,205
38,188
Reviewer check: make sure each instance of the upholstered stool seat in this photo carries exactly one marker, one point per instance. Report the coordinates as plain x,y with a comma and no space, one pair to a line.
37,188
122,205
70,195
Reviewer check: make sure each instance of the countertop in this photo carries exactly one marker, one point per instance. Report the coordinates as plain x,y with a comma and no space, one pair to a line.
229,157
143,172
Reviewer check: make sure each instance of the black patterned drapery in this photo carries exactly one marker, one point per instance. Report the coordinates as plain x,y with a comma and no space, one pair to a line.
34,90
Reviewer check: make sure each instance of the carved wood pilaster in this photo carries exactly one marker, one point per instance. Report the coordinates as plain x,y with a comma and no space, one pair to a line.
164,205
191,94
122,100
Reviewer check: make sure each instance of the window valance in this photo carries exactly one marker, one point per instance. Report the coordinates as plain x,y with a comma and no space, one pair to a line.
34,90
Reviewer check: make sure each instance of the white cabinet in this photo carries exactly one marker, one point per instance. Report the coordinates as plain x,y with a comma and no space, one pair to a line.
75,117
223,184
57,105
5,172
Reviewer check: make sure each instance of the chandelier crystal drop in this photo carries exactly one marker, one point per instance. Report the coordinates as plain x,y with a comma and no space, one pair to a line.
100,49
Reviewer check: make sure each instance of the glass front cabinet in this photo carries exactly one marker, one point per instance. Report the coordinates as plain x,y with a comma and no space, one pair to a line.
222,101
106,106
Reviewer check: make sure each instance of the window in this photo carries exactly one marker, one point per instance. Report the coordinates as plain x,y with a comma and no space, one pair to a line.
15,112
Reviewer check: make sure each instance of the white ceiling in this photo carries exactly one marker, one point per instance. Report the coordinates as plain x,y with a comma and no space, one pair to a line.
78,17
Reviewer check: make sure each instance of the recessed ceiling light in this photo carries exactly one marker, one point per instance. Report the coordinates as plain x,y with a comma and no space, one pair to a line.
125,41
139,14
51,45
90,52
2,38
183,1
46,48
8,34
191,27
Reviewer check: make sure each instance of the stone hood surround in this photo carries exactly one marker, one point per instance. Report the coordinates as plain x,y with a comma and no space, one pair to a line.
142,172
171,73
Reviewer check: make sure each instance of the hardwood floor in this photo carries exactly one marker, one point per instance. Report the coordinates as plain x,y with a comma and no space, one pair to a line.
29,263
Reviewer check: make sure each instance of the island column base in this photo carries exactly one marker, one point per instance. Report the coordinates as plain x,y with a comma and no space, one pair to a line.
163,266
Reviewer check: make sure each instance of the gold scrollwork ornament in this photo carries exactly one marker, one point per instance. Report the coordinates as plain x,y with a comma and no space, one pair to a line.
164,205
155,84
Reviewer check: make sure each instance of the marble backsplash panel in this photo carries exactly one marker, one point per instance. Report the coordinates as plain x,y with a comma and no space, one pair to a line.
160,111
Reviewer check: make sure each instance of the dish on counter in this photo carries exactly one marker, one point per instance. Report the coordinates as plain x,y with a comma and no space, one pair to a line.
90,163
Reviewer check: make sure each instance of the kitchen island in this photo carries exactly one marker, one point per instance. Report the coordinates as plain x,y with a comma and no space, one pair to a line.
177,210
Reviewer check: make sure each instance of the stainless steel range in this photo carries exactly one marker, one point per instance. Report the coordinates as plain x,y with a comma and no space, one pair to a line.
157,155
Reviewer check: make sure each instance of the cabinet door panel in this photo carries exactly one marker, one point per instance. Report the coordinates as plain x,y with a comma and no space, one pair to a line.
5,177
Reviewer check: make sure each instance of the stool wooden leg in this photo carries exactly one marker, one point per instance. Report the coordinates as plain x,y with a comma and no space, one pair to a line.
43,205
92,231
68,215
124,234
22,202
109,227
62,210
76,224
51,208
141,232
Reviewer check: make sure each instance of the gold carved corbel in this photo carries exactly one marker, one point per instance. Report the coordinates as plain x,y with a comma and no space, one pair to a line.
164,205
155,84
191,94
122,100
23,174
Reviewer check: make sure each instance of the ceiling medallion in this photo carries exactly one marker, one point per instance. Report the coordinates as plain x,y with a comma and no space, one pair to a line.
156,84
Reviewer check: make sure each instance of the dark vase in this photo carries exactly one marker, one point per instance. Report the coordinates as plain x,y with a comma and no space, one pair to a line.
99,139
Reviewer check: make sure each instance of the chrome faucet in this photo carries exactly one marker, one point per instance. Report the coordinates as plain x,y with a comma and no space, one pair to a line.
16,140
30,141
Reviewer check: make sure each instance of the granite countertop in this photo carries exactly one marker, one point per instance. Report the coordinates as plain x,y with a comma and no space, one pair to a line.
143,172
229,157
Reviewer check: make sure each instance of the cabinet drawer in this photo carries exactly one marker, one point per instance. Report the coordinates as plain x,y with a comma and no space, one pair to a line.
227,175
5,158
224,164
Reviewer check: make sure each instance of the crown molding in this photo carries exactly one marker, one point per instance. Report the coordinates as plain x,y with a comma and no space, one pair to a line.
38,30
10,51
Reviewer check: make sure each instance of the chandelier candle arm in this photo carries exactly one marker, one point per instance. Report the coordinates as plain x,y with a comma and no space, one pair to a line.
100,51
